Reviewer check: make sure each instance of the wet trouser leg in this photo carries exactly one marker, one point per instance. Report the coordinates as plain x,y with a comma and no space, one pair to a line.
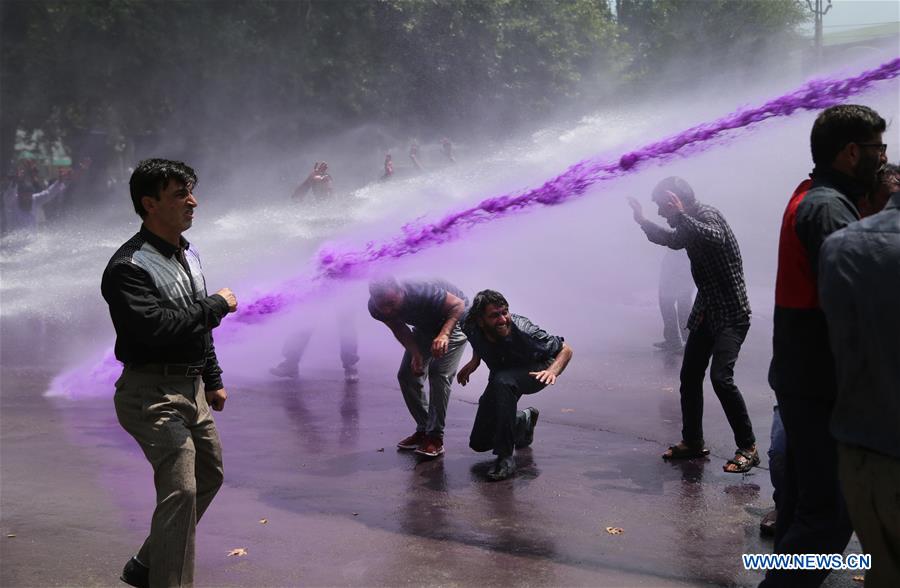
697,353
871,483
413,387
777,454
723,347
684,302
727,343
497,422
813,517
349,340
669,313
441,372
171,421
295,346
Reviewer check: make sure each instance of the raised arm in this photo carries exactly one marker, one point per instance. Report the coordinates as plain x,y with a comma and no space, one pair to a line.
655,233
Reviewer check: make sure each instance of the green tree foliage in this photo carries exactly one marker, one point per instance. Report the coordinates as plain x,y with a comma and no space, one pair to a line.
707,34
279,72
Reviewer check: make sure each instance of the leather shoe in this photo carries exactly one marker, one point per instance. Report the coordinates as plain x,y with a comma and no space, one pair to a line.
413,441
136,574
528,436
432,446
285,369
502,469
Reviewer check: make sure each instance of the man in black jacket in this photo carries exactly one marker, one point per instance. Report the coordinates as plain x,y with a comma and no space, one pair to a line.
523,359
163,319
847,151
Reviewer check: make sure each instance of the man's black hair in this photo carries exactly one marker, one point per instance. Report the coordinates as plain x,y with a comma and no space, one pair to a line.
481,302
677,186
151,176
839,125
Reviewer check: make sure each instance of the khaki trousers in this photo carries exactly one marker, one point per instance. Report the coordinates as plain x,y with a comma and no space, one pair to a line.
871,485
169,418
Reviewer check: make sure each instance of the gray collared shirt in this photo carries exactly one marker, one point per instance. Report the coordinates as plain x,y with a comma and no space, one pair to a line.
859,291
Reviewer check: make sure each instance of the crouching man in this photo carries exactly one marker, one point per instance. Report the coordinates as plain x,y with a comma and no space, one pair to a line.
522,359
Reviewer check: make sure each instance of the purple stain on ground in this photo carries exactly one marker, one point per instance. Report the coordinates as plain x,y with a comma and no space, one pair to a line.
333,263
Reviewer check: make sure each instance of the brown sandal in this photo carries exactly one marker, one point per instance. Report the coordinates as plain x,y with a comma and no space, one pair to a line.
685,451
744,459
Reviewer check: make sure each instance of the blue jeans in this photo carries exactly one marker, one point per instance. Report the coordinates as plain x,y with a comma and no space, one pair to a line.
777,455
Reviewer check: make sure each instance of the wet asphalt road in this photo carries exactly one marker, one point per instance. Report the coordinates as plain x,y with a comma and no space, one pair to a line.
316,459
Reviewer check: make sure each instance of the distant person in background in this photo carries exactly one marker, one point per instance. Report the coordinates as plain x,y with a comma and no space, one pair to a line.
447,149
414,155
522,359
319,181
23,203
388,167
719,320
676,297
859,290
7,194
423,316
847,151
296,344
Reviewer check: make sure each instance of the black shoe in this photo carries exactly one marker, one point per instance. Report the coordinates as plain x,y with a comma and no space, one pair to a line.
502,469
136,574
285,369
528,435
767,524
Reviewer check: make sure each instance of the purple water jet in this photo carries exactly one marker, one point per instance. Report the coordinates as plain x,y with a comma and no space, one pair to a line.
333,263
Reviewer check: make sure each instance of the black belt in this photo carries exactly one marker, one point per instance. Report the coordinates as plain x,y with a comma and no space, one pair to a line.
183,370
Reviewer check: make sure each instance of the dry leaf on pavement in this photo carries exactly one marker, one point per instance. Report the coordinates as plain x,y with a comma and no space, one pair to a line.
263,521
615,530
240,552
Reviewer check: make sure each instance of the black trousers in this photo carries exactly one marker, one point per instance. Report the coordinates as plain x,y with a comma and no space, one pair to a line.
723,347
812,516
497,423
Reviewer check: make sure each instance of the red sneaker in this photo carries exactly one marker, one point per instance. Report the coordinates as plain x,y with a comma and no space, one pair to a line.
431,447
413,441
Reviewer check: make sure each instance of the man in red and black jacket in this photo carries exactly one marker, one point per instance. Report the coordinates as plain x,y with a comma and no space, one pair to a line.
847,151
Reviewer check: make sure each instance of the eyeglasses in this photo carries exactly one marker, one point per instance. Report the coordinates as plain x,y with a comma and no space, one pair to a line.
882,148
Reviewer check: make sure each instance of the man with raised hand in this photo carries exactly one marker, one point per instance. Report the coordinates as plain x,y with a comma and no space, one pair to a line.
163,318
522,359
719,320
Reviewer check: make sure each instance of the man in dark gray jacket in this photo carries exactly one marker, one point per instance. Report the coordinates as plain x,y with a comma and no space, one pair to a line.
859,291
